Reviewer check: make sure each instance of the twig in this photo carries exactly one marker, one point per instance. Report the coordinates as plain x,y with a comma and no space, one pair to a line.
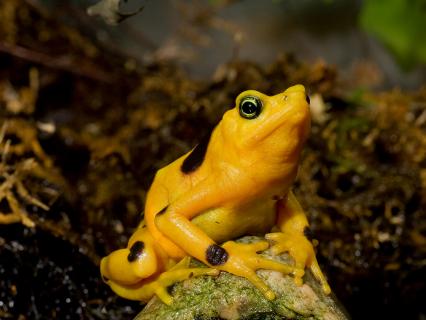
64,63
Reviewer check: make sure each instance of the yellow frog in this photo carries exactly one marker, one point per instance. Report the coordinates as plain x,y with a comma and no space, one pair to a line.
235,182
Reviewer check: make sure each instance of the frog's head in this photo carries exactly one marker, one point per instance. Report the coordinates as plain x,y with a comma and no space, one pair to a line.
276,126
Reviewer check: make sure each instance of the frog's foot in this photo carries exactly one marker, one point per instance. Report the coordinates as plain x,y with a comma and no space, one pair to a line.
158,284
303,254
242,260
179,272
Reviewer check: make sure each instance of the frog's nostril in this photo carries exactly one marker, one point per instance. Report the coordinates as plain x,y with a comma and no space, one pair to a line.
307,99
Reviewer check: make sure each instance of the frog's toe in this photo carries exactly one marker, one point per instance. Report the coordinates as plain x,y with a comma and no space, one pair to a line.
247,248
163,295
244,260
232,246
316,271
260,285
255,247
249,254
168,278
303,254
146,289
298,247
278,249
263,263
274,236
282,243
298,276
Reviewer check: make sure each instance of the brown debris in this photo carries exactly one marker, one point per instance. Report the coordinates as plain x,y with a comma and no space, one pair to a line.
14,174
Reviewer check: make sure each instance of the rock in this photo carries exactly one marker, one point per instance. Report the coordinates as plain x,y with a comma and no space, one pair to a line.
230,297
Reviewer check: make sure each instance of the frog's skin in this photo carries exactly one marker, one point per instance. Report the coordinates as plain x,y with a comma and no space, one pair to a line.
235,182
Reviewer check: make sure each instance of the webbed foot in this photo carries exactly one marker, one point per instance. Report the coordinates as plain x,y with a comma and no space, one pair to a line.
303,254
158,285
243,260
179,272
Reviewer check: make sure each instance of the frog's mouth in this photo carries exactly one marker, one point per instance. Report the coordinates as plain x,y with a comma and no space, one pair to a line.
308,100
293,120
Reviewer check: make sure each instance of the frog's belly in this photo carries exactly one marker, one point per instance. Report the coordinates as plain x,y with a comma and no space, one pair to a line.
228,223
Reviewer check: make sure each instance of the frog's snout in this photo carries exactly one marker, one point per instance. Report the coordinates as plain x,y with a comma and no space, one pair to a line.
295,88
296,93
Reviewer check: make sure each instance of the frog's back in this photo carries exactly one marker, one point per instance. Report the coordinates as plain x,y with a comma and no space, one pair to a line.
168,184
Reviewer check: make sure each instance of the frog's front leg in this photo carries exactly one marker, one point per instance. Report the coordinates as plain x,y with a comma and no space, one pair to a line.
243,260
238,259
293,224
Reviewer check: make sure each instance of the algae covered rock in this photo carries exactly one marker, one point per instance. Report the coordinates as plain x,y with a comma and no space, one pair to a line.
230,297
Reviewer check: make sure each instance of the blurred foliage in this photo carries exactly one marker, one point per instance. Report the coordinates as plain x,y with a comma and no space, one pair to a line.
400,25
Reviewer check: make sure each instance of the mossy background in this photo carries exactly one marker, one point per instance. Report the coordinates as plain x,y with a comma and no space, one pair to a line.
89,112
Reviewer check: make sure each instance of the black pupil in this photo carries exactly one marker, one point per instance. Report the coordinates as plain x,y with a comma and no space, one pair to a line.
249,107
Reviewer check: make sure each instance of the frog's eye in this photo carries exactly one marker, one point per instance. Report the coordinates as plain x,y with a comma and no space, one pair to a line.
250,107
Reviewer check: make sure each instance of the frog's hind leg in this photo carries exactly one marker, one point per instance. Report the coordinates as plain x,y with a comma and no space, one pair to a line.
158,284
179,272
138,261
